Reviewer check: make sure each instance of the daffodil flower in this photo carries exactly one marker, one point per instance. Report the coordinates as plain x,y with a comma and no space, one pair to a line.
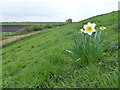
89,28
82,30
102,28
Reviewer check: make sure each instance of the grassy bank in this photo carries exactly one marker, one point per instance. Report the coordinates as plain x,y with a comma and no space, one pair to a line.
40,60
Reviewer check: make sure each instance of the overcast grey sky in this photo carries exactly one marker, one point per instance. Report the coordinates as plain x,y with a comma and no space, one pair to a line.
54,10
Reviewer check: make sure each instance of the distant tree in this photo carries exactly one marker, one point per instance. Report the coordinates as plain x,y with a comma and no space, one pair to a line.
69,21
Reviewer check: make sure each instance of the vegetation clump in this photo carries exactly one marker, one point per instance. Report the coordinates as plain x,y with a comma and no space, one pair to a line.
88,45
69,21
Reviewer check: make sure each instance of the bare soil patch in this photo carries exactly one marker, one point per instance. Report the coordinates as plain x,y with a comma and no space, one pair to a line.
13,38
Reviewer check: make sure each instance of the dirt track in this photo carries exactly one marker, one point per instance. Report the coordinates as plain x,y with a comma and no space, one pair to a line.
13,38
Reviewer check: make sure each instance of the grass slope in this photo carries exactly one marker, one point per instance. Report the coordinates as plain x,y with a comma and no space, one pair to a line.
40,60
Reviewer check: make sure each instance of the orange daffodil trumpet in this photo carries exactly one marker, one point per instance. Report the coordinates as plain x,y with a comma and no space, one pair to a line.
89,28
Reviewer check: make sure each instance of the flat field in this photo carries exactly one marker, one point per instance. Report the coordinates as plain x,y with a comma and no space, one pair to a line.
30,23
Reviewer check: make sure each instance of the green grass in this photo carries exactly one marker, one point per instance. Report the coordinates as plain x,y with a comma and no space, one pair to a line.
40,60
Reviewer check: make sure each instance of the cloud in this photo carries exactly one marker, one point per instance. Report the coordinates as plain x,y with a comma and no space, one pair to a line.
54,10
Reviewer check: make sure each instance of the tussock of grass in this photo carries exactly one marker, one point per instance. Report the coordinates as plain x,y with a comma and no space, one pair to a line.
40,60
